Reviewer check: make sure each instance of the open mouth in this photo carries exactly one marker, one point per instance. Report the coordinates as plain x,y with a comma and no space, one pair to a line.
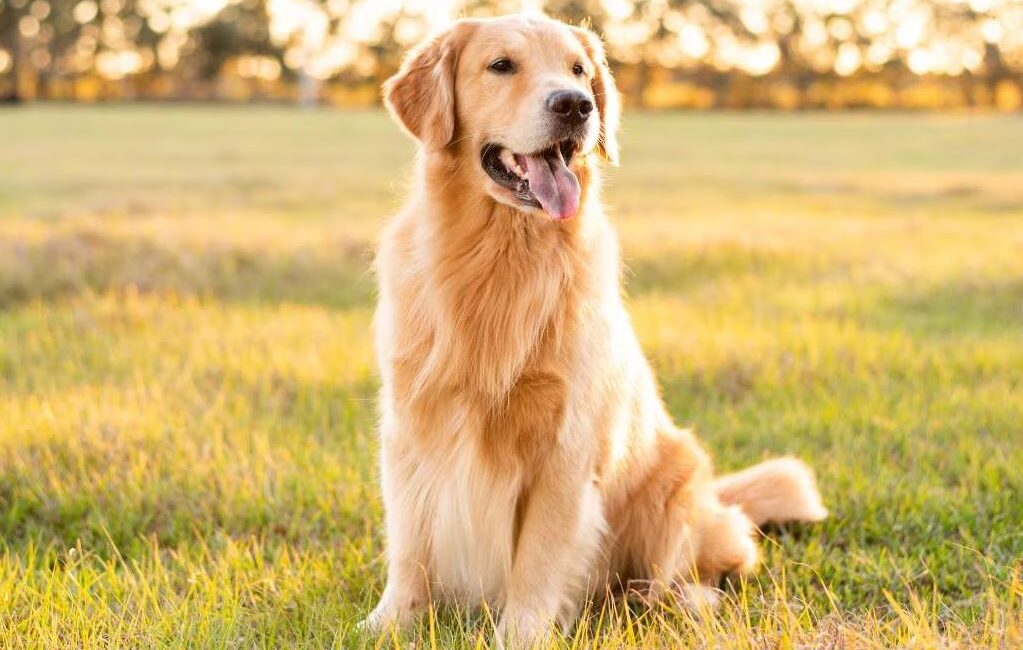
538,180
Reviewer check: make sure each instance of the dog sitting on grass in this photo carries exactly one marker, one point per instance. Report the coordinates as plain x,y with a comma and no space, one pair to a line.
527,459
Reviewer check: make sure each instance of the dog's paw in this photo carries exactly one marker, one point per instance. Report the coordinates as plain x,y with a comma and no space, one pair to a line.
699,600
519,629
385,615
373,624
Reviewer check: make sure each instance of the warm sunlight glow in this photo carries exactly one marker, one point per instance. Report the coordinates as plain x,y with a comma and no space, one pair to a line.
848,60
660,48
437,12
85,11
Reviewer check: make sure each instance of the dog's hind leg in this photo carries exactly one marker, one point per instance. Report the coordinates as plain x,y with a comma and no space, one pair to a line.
673,534
725,543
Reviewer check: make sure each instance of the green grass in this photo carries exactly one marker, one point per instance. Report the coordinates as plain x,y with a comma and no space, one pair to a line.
187,381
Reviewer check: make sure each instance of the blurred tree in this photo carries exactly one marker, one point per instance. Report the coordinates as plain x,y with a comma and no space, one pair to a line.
367,45
11,13
489,8
789,53
241,27
578,12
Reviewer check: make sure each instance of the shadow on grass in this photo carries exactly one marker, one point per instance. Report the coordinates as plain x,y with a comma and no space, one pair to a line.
287,461
688,268
333,274
965,305
961,307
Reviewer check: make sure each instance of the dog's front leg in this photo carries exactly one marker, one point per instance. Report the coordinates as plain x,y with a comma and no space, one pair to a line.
407,523
560,532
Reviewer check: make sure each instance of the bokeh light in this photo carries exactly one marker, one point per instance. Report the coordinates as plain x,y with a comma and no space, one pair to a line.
781,53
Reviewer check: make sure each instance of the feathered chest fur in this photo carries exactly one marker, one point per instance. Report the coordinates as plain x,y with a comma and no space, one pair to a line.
502,304
488,341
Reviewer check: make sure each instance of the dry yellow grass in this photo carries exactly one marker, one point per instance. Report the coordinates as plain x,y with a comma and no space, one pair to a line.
187,380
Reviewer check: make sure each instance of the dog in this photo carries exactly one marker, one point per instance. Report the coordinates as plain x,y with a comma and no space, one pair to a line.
527,460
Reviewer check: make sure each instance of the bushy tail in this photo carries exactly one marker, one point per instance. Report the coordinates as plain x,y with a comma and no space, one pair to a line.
776,490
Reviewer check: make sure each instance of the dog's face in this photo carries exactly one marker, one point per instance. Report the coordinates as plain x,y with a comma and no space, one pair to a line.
527,98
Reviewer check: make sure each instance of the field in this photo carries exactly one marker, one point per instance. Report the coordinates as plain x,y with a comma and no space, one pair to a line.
187,450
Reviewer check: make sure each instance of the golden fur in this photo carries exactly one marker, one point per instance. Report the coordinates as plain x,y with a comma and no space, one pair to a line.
527,459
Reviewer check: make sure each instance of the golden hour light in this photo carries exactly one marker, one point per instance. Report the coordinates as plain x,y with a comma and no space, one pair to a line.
342,50
85,11
518,324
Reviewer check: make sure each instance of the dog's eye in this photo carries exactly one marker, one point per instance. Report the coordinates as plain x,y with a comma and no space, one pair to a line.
502,66
578,69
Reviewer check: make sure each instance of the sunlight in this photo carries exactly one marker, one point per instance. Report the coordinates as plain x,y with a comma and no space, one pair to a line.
85,11
80,43
438,13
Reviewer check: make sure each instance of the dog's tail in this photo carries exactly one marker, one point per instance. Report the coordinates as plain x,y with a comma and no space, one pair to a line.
776,490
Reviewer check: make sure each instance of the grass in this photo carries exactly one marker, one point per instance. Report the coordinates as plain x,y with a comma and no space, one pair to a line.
187,380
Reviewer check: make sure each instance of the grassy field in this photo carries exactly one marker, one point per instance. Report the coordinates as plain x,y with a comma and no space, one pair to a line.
187,380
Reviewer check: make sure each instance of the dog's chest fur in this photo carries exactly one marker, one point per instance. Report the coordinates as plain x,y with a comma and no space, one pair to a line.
478,371
494,317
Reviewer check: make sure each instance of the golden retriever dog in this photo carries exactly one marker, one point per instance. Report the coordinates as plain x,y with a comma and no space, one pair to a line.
527,459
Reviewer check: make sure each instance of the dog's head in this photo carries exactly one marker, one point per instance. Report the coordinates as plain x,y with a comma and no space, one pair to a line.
527,98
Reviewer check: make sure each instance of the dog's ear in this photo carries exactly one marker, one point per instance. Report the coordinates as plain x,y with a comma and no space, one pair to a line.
605,93
421,96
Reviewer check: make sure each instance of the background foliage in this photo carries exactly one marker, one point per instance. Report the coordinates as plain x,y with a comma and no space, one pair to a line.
692,53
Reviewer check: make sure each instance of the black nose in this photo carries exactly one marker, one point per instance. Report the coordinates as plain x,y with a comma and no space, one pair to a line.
571,106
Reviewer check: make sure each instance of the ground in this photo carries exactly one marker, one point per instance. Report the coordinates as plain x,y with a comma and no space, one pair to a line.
187,449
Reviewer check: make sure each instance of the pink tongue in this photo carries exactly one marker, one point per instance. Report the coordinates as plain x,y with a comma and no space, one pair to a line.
553,184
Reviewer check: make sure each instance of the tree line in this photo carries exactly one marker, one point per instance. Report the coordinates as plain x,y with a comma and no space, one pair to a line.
689,53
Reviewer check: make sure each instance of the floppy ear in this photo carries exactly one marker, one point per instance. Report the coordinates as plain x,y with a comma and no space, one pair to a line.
421,96
605,93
